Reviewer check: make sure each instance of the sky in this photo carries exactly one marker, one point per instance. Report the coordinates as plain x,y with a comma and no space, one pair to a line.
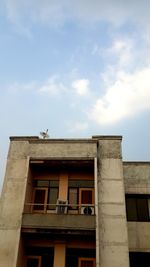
78,68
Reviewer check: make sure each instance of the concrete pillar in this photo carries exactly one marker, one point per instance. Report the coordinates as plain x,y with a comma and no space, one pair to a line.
59,255
12,203
63,185
111,223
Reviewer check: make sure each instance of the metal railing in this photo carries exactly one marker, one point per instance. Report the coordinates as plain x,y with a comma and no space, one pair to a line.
60,208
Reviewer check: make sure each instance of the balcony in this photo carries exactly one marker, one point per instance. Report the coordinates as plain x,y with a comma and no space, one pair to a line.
38,216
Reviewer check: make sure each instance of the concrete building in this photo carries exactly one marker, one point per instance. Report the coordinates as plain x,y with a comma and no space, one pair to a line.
74,202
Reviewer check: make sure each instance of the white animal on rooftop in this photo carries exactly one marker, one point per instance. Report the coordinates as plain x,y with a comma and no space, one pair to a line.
44,134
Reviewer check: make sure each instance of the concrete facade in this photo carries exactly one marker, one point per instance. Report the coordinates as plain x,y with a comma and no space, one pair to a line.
78,169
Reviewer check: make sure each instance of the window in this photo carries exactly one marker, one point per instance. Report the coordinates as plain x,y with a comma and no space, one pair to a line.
137,208
85,196
39,256
52,198
79,196
139,259
34,261
86,262
73,198
45,195
80,192
86,201
40,199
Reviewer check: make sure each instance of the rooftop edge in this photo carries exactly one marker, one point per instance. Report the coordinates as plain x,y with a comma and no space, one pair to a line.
37,138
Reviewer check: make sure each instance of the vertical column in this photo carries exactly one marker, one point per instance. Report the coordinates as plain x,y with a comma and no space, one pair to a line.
63,185
59,255
112,226
13,195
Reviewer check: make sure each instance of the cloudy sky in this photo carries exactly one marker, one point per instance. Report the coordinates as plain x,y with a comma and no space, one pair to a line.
78,68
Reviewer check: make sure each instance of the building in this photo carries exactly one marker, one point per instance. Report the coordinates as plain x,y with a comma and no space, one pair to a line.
74,202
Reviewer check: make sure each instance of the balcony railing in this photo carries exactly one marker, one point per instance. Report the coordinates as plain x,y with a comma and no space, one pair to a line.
61,207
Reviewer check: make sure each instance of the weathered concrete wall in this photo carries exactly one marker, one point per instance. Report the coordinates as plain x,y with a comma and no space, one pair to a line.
29,193
9,240
137,181
62,149
23,147
137,177
112,228
139,236
12,203
59,221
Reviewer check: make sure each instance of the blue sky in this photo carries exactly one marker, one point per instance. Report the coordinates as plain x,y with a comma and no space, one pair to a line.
78,68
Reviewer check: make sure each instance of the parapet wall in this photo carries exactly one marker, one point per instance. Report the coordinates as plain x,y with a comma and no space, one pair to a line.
136,177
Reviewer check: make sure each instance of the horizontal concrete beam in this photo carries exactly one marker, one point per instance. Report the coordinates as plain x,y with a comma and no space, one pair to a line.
59,221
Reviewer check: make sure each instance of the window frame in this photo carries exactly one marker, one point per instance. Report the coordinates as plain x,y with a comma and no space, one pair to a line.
73,206
45,200
35,257
48,188
137,217
79,204
86,259
80,195
49,205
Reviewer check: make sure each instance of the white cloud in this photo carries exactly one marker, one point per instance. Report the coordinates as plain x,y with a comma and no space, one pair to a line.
120,53
119,46
122,50
120,57
57,12
129,95
52,86
46,12
81,86
116,12
19,87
